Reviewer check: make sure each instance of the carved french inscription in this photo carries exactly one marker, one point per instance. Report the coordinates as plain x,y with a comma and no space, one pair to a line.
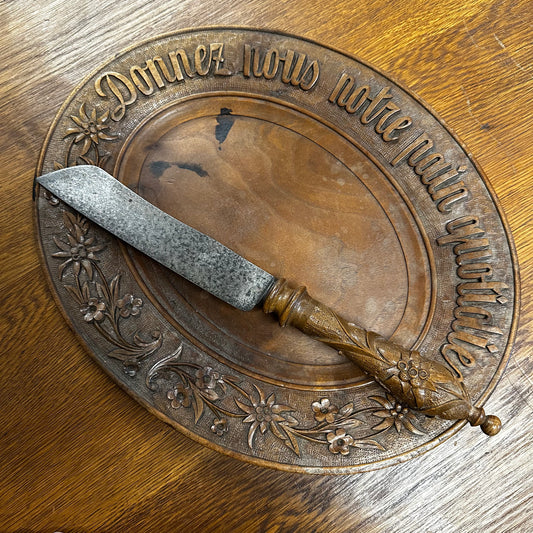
473,322
290,66
441,178
158,72
371,107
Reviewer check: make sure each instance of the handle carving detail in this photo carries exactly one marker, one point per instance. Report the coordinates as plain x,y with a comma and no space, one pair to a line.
417,382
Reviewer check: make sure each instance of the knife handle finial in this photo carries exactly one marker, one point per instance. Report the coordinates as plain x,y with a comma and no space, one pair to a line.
416,382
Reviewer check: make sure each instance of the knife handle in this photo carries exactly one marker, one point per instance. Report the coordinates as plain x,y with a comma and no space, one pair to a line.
416,382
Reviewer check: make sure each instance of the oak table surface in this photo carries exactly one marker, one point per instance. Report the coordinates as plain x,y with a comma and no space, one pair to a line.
78,454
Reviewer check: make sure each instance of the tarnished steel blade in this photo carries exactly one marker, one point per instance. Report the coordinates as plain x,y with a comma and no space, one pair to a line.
193,255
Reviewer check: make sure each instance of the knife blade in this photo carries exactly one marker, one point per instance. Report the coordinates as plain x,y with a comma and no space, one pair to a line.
191,254
416,382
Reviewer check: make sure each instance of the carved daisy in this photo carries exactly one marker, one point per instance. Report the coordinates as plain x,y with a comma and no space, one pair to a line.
180,396
339,441
93,310
220,426
323,410
129,305
207,380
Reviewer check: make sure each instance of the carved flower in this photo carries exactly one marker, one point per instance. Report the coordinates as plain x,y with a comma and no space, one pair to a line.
93,310
129,305
339,441
394,414
79,251
206,380
264,414
323,410
90,128
220,426
180,396
413,375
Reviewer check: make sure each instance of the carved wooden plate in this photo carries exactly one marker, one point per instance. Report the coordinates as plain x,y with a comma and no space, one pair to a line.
316,167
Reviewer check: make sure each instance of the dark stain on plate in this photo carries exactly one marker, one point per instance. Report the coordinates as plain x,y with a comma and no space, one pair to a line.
193,167
157,168
225,122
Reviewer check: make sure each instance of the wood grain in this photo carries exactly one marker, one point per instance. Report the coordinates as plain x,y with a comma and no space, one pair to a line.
77,454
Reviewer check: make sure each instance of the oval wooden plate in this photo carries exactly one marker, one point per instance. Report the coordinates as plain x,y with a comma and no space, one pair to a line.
317,168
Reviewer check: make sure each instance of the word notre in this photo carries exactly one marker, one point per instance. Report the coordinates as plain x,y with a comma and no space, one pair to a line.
372,107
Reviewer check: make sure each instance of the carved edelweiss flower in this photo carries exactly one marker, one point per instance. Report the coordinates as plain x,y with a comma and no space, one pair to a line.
93,310
90,128
264,414
180,396
129,305
79,251
339,441
323,410
394,414
220,426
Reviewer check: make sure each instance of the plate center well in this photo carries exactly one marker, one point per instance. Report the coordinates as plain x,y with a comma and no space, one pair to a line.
294,196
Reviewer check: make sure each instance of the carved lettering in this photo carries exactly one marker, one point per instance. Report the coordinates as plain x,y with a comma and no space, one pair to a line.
391,132
158,67
471,321
370,113
180,63
124,91
157,72
142,81
271,64
391,109
355,99
442,180
216,50
297,69
200,55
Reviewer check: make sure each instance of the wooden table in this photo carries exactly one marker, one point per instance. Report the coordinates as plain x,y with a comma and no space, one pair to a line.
78,454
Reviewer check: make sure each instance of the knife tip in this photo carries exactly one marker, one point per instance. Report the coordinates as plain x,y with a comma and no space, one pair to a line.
51,179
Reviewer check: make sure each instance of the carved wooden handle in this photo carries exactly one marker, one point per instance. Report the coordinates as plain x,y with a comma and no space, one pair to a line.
416,382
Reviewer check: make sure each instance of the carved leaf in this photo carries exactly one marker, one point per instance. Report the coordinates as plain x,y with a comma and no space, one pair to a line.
86,293
114,288
351,423
198,405
367,443
285,434
75,293
346,410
